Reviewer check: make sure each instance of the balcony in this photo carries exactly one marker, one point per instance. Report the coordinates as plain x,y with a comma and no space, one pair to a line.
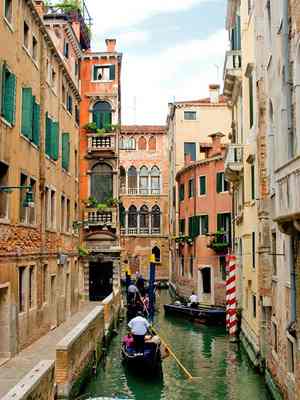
140,231
101,143
234,162
232,70
100,218
140,191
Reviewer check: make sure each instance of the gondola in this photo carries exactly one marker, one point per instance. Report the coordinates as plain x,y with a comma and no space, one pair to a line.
148,362
210,315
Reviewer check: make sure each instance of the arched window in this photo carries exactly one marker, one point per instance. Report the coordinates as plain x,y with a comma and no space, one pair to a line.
122,180
142,144
144,178
127,143
155,180
102,114
152,143
102,182
155,219
144,219
132,180
156,252
132,217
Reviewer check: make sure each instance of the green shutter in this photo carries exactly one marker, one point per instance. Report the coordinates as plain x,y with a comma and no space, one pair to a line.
204,224
220,224
27,112
112,72
191,226
36,124
106,120
9,96
202,185
54,140
65,150
95,71
48,136
97,119
197,225
219,182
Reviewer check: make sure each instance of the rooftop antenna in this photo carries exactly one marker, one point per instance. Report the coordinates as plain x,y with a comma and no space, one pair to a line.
218,70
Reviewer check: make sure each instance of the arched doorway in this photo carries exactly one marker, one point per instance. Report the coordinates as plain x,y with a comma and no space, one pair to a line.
156,253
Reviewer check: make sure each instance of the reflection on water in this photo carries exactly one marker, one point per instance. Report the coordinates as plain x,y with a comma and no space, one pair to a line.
221,372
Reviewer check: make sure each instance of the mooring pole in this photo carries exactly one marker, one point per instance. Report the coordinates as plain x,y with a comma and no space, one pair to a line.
152,287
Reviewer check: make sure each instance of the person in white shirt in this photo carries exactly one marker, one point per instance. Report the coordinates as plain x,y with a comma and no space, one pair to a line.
132,292
139,326
193,300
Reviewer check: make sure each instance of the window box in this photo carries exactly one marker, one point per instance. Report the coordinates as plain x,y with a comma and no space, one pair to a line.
219,242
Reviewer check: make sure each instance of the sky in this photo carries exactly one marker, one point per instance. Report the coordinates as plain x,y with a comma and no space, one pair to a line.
172,50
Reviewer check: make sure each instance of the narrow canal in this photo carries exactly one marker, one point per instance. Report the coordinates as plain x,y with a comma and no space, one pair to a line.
222,372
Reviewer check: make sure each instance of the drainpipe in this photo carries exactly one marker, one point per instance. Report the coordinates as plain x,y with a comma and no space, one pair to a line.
294,244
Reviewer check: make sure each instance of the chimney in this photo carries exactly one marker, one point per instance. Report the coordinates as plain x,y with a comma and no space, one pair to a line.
216,144
110,45
214,93
40,7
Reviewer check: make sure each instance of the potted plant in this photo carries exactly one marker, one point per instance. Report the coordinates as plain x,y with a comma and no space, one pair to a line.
82,251
219,242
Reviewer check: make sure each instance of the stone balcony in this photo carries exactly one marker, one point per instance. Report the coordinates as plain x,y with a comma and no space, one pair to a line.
140,191
234,162
101,143
232,70
100,218
140,231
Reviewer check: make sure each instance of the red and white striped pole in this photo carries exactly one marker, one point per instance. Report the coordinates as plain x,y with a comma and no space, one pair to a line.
231,301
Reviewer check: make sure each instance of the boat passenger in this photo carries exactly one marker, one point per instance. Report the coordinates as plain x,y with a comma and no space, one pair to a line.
128,340
139,326
132,292
140,283
193,300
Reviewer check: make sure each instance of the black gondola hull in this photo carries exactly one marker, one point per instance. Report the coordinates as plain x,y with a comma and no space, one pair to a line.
205,315
148,362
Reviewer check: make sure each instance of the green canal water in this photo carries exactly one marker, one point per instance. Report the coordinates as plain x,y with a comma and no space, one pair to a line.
222,371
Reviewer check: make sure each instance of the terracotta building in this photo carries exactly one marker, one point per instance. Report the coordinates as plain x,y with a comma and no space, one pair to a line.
99,169
39,148
204,225
144,195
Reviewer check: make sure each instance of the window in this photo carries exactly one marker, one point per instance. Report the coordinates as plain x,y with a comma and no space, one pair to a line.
52,138
34,48
191,188
144,219
181,192
70,104
26,35
275,337
251,100
30,126
254,306
22,288
8,10
66,49
190,150
142,143
222,261
8,101
102,182
224,224
236,40
203,224
155,180
45,283
68,221
132,217
31,287
274,256
222,184
123,179
191,267
23,210
51,208
252,182
127,143
253,251
132,180
155,219
156,252
65,151
62,214
182,227
104,73
190,115
102,115
76,163
144,180
198,225
32,209
202,185
3,196
152,143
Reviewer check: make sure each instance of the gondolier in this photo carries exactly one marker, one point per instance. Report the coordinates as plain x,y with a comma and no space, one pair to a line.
139,326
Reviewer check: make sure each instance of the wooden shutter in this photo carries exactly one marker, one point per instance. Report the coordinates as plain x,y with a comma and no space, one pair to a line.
219,182
197,225
65,150
106,120
9,96
202,185
48,136
27,112
220,222
191,226
97,119
95,72
204,224
112,72
36,124
54,140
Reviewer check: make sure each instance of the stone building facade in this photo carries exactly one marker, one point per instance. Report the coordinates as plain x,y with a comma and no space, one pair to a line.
188,124
39,150
204,225
100,117
144,195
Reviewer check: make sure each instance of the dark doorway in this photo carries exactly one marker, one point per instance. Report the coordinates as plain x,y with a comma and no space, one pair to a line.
101,280
206,279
